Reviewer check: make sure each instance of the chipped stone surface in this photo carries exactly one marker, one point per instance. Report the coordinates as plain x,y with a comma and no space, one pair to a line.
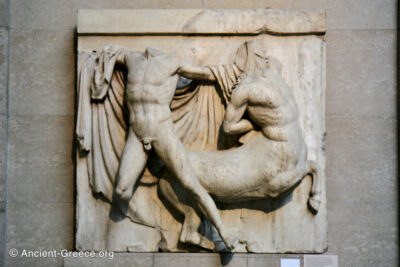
197,21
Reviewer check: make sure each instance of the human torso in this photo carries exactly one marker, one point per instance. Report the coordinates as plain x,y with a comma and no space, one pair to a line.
151,84
272,107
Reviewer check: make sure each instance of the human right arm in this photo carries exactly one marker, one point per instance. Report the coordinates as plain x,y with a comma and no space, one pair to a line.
233,122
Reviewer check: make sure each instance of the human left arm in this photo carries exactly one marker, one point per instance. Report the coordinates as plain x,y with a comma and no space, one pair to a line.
196,72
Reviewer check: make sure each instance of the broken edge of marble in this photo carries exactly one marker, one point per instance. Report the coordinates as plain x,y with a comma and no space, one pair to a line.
199,21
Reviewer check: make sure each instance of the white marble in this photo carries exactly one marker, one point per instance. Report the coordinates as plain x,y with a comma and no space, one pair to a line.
199,21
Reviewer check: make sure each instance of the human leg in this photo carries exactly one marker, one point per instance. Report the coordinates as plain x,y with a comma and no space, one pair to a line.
132,164
191,223
170,149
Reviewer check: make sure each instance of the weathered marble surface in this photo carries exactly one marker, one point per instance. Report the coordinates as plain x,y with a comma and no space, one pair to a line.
190,21
282,225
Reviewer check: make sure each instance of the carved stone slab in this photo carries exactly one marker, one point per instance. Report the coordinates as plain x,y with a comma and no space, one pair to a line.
283,224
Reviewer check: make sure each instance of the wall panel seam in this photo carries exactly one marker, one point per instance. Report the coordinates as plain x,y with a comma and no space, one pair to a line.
7,139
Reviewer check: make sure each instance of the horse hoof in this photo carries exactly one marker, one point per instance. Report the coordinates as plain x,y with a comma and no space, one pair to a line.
313,204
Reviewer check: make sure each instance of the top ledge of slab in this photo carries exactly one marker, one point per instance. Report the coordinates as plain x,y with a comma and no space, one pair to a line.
200,21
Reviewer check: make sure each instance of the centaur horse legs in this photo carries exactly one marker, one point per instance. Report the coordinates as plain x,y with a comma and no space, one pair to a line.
227,181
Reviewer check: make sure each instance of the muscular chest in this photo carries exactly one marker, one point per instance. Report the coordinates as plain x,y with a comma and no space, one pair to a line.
150,70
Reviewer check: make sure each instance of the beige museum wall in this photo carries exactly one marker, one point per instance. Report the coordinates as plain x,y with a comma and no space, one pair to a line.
37,121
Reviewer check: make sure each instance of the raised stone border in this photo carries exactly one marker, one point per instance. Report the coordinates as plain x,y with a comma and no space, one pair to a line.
191,21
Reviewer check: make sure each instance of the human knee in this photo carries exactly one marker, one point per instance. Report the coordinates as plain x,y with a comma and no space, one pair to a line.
194,188
195,191
124,181
124,190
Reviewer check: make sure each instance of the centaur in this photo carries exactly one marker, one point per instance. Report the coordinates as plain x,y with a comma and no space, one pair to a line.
272,159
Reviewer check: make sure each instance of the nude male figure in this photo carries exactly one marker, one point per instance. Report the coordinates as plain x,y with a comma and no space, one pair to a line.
151,83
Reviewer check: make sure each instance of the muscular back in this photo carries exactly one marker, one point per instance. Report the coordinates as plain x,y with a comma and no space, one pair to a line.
271,105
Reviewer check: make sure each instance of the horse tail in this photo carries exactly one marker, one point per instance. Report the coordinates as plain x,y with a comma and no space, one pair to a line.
314,199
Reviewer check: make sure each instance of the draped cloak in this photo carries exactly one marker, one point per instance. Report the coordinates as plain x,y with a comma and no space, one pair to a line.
197,112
